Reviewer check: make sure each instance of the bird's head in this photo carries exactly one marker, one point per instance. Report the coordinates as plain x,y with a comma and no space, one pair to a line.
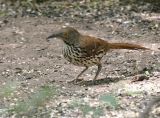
69,35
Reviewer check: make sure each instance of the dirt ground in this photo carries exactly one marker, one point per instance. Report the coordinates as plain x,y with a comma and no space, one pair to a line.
26,57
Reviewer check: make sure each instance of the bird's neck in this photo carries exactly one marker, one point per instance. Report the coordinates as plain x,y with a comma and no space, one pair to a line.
73,41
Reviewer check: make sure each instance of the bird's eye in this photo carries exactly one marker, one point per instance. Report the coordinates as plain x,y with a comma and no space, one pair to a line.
65,34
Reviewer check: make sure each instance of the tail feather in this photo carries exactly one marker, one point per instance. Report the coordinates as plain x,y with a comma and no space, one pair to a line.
126,46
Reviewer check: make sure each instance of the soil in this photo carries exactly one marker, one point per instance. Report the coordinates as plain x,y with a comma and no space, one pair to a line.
27,58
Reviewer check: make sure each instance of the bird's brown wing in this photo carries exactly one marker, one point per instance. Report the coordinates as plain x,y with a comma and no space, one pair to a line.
93,45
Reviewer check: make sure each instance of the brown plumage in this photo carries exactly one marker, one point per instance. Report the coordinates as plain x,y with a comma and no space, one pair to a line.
86,51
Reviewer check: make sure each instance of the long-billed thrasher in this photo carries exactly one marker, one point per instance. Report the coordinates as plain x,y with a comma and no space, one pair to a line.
86,51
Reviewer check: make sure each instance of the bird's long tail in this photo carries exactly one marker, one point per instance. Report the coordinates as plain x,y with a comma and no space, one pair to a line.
126,46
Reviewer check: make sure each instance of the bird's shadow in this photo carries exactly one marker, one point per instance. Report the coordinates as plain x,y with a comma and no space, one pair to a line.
105,80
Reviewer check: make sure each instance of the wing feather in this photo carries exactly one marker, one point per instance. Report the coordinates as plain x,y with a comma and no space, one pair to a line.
93,45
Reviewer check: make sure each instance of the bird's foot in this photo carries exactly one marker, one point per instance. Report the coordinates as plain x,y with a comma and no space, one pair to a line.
75,81
82,82
86,83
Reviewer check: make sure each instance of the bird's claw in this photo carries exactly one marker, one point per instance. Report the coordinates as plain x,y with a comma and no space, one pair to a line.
76,81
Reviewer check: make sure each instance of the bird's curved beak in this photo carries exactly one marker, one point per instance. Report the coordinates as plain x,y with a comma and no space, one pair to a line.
49,37
54,35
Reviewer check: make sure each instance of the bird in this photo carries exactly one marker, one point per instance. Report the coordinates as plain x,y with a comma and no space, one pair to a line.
86,51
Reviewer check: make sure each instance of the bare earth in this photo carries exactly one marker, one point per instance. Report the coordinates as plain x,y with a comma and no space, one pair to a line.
26,57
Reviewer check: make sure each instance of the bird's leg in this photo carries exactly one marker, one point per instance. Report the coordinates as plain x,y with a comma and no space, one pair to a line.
97,73
81,73
75,80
